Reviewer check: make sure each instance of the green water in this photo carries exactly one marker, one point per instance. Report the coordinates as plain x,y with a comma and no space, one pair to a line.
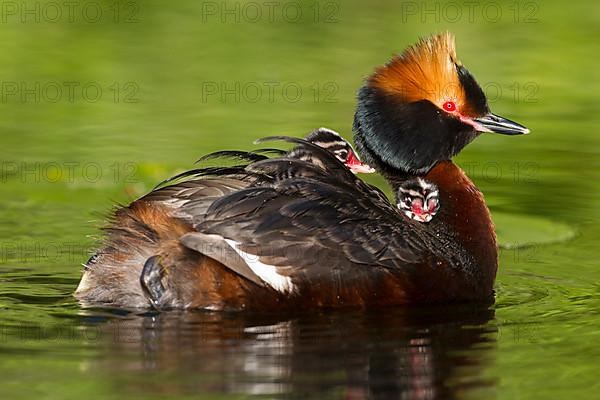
98,109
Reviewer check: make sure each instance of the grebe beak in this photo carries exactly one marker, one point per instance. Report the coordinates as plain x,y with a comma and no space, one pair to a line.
497,124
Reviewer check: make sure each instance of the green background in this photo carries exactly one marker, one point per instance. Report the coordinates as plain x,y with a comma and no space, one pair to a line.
156,84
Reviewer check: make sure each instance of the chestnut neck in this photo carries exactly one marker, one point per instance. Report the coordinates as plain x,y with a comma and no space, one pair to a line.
463,208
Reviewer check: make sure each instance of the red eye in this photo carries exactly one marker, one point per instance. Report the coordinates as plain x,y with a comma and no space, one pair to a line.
449,106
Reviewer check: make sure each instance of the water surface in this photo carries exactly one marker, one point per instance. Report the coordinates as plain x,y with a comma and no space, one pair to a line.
156,85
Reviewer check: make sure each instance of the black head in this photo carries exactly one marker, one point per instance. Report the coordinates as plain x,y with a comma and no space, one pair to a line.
420,108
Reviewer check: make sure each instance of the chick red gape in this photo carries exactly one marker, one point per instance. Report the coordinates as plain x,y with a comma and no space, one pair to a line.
418,199
340,147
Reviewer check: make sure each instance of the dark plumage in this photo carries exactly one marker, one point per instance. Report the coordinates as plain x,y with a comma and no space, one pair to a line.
362,242
300,230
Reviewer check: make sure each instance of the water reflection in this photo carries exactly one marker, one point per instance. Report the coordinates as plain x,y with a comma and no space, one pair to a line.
402,354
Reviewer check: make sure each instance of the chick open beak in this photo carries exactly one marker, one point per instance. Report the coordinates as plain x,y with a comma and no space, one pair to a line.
361,168
355,165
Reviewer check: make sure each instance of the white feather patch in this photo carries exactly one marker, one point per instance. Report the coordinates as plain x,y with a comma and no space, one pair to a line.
267,273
